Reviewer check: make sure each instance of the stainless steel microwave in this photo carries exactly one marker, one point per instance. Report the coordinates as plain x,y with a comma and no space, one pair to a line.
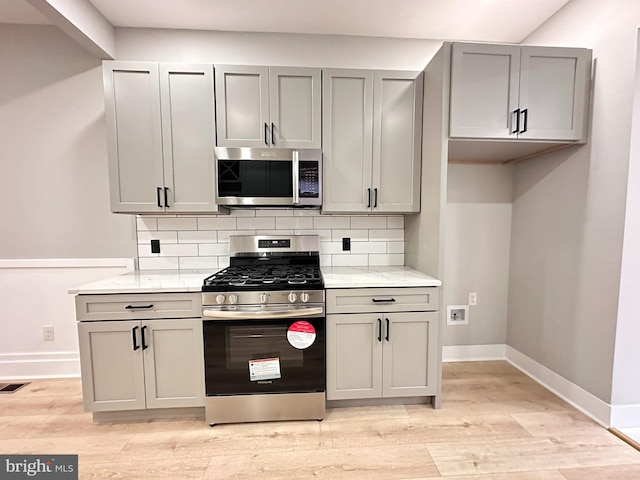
269,176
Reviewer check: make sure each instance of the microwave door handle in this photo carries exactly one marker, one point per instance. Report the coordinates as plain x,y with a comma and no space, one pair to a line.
296,177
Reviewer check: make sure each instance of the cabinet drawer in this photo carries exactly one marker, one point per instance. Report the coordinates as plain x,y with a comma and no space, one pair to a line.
362,300
138,306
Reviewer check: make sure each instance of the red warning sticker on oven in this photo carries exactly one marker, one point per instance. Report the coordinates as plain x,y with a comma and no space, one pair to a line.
301,335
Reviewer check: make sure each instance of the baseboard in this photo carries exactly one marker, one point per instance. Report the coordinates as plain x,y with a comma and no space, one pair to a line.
473,353
571,393
39,365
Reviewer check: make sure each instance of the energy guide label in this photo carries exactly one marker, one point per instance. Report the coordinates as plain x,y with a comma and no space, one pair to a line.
264,369
301,335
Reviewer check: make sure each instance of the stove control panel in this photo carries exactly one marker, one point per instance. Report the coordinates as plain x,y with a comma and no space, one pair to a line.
263,298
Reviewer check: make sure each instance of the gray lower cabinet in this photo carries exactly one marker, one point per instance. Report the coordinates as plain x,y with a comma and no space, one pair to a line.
143,363
387,352
259,106
371,141
160,136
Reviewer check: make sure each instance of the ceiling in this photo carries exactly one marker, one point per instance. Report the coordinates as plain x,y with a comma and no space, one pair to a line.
475,20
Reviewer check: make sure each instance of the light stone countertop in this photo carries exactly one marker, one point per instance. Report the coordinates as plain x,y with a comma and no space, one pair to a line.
159,281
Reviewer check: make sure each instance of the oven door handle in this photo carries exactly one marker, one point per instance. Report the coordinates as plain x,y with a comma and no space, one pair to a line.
262,314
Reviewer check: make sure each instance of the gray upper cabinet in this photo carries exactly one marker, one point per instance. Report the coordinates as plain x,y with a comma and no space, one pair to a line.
268,106
160,131
514,92
371,140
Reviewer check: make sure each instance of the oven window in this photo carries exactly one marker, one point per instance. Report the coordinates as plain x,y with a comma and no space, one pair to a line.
255,178
249,357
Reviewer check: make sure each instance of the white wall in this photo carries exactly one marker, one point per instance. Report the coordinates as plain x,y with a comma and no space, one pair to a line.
626,379
477,237
568,211
54,168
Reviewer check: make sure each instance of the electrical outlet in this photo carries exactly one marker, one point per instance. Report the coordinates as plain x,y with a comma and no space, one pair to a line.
346,244
473,298
155,246
47,333
458,315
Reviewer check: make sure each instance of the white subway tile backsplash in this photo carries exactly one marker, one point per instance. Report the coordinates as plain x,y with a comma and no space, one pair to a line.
181,223
158,263
354,235
274,212
349,260
198,236
264,223
146,223
217,223
395,247
296,223
168,236
369,222
223,235
386,259
202,242
369,247
395,221
194,263
179,250
331,222
388,234
213,249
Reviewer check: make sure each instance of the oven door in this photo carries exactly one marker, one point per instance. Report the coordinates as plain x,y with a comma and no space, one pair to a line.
255,353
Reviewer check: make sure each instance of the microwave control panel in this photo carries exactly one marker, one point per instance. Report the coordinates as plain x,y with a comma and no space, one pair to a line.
309,180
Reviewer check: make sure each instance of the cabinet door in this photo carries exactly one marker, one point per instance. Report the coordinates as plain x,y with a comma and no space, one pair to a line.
484,90
294,98
410,354
111,365
242,106
354,356
188,137
554,85
347,125
174,363
132,111
397,136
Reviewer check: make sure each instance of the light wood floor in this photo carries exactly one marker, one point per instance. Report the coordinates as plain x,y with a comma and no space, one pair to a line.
495,424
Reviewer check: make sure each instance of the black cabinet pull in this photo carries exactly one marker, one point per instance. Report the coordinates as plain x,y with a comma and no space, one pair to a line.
135,339
166,196
145,346
383,300
139,307
375,197
266,134
273,134
158,193
516,113
525,113
386,337
368,198
379,330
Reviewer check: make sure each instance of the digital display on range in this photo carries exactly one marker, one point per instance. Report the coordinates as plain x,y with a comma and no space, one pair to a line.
280,243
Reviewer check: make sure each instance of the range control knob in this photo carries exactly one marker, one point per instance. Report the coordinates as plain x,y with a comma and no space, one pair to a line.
292,297
233,299
220,299
263,298
304,297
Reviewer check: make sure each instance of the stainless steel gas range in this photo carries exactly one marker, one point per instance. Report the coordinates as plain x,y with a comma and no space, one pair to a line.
264,332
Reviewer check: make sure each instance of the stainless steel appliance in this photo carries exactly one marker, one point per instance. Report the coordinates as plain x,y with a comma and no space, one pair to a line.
269,177
264,332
